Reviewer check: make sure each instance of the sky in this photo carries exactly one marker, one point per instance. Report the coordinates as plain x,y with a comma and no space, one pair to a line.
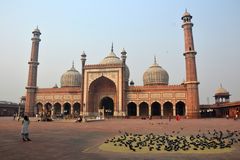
145,28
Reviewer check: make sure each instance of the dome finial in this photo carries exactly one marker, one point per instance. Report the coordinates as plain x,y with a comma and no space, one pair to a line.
72,66
36,31
221,85
155,60
112,47
186,14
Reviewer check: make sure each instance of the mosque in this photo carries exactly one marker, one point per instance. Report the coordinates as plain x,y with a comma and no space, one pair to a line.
104,88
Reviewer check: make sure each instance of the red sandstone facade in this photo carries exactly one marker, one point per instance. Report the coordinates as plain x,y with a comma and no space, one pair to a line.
104,88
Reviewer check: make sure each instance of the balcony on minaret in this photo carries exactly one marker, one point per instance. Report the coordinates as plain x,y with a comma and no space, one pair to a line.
186,17
36,34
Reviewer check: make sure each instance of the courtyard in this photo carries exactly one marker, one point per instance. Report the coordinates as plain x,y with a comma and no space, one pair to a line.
66,139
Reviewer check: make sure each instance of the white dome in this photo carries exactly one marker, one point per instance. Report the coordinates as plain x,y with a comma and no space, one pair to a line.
113,59
155,75
71,78
221,90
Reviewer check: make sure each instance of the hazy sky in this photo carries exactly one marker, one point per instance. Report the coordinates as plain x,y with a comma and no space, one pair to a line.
143,27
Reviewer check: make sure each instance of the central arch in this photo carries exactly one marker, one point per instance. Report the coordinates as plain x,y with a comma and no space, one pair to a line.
108,105
99,90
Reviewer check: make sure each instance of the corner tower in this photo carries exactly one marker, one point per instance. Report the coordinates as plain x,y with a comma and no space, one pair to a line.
32,74
191,70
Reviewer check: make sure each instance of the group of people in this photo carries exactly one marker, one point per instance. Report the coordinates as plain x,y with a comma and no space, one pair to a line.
235,116
18,116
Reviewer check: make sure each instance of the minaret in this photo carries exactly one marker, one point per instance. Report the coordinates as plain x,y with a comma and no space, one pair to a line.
192,105
83,108
32,74
124,82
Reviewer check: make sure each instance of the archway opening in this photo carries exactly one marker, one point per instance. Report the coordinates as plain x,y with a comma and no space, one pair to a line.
76,109
67,109
57,109
180,108
108,105
143,109
48,107
168,109
101,87
39,108
132,109
156,109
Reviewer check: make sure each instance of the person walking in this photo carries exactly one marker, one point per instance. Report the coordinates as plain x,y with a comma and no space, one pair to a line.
14,116
236,116
177,117
169,117
24,131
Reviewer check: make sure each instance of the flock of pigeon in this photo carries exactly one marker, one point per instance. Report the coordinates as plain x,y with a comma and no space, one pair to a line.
176,142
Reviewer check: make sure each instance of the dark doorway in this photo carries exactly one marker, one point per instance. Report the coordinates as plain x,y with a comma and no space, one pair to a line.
132,109
67,109
143,109
108,106
180,108
156,109
76,108
57,108
167,109
48,107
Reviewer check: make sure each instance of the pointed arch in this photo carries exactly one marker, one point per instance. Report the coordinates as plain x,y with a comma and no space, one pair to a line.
156,109
48,109
143,109
132,109
167,109
180,108
57,108
66,108
76,108
39,108
98,89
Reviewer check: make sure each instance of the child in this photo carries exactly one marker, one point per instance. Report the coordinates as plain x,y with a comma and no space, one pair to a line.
24,131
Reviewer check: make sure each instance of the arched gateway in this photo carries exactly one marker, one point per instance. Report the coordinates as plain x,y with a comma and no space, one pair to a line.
102,95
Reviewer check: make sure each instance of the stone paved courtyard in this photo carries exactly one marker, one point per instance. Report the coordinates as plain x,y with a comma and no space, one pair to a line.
61,140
